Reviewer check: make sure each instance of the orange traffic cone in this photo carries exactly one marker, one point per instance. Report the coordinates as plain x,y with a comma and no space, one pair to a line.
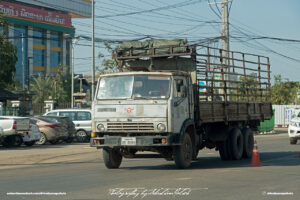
255,162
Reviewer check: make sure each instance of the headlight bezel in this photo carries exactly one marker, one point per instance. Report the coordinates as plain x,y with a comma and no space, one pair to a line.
161,127
100,127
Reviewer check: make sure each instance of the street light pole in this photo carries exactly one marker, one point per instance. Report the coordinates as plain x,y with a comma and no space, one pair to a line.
93,49
74,42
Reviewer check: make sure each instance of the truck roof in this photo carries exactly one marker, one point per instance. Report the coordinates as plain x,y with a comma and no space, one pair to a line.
163,73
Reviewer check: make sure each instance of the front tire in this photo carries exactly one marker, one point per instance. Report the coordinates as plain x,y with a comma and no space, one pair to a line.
43,139
81,136
112,158
293,141
183,154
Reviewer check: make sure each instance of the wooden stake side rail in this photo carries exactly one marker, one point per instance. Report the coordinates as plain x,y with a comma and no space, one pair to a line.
236,111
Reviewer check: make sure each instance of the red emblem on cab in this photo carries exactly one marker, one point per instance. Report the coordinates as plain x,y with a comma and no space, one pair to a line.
129,110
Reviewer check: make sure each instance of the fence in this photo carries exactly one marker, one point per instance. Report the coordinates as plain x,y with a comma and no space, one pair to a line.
39,109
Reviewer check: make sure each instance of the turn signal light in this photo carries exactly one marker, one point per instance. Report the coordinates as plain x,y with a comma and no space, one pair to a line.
164,141
93,134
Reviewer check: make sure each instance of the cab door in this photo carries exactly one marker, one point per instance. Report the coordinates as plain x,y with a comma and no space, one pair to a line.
180,107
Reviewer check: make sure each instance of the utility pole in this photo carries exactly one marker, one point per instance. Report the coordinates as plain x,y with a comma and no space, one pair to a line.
225,42
93,50
225,32
225,45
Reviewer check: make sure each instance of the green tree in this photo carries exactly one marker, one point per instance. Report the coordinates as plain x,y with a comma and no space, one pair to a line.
62,84
249,87
42,87
284,91
108,65
8,59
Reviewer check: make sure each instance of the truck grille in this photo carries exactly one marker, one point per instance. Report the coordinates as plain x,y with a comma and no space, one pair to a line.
130,127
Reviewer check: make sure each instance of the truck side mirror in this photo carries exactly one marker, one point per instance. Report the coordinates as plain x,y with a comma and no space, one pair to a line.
183,92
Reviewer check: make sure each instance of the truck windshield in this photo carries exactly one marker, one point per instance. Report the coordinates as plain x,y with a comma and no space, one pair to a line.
139,86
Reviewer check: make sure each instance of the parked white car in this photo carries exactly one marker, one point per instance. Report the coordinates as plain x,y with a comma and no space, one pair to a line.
294,129
14,129
82,118
17,130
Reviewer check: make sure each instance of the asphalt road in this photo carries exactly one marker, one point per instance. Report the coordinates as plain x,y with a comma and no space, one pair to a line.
78,172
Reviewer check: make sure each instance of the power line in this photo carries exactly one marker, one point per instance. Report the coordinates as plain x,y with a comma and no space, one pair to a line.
184,3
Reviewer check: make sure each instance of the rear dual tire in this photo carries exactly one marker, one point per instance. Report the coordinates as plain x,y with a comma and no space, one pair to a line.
237,145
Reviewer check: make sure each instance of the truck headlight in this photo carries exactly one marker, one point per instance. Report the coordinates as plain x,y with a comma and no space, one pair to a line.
100,127
161,127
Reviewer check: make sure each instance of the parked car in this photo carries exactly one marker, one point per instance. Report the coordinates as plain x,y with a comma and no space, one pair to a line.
67,122
50,131
82,118
14,130
34,134
294,129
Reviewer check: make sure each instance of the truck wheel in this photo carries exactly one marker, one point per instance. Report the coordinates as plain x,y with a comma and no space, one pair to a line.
29,144
183,153
236,144
81,136
248,140
293,141
224,150
112,158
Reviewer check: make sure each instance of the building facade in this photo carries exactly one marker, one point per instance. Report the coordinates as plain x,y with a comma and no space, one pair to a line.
42,31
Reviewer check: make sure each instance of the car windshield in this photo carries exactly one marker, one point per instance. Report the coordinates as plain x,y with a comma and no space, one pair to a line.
139,86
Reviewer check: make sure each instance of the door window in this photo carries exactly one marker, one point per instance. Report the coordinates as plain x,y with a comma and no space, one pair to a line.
52,114
83,116
71,115
179,85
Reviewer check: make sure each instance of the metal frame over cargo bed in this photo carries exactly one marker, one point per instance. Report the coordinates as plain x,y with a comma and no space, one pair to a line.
232,88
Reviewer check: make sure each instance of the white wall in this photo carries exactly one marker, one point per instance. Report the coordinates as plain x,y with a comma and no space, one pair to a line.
284,114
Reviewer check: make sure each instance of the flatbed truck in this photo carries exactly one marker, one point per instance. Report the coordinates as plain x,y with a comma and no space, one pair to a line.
178,99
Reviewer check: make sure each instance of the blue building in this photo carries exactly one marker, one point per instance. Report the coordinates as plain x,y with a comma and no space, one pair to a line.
42,32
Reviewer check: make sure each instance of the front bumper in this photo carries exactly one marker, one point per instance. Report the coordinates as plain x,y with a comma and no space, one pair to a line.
294,132
141,141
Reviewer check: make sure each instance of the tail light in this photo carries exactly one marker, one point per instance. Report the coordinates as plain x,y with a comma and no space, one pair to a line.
51,125
15,125
67,126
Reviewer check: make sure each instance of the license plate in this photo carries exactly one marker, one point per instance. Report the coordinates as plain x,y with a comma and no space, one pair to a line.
128,141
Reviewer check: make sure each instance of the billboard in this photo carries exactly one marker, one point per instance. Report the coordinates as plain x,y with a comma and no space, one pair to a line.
76,8
34,14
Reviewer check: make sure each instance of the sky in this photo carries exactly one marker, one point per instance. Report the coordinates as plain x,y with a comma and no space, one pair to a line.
196,20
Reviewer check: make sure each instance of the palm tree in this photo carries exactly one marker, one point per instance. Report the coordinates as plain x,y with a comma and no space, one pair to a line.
42,87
